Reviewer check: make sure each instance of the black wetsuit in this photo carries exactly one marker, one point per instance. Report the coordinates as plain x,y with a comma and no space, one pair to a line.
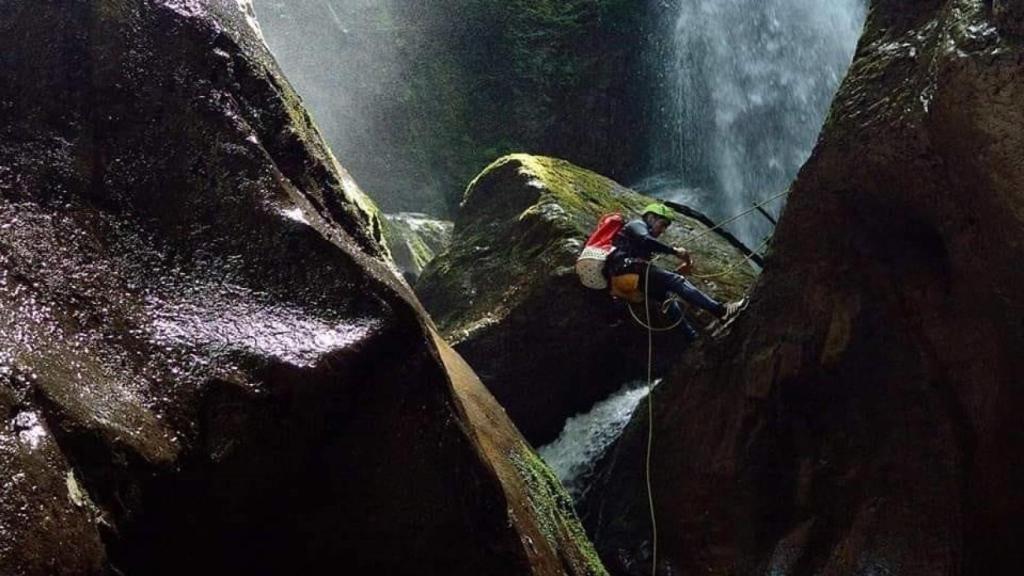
634,248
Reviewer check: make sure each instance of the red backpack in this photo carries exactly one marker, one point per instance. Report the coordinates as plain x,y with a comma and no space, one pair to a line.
590,263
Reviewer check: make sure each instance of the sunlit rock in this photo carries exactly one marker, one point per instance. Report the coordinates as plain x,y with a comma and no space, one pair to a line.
207,365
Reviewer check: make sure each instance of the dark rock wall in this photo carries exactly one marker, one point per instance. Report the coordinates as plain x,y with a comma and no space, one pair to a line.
1010,16
206,363
863,415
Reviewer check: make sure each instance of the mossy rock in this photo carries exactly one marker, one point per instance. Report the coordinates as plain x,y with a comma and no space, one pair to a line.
414,239
506,295
537,503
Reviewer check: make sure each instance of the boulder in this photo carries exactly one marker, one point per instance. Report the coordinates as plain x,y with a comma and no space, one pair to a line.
414,239
207,365
863,416
505,293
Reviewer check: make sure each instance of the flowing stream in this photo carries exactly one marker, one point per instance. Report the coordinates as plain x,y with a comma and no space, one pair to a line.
585,437
748,84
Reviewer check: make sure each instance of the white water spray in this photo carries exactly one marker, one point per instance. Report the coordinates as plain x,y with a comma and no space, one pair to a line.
586,437
749,85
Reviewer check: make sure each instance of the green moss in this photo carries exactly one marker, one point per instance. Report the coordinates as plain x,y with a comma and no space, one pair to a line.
421,253
553,509
362,207
579,191
414,240
525,218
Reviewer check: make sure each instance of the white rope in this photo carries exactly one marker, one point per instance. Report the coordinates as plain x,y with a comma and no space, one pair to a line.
738,216
735,265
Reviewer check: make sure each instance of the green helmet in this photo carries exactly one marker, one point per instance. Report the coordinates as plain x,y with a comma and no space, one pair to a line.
659,209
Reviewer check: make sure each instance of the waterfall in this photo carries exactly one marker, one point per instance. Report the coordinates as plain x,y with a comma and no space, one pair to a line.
747,86
585,437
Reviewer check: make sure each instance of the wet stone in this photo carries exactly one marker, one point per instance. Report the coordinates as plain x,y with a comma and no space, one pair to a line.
1009,15
207,362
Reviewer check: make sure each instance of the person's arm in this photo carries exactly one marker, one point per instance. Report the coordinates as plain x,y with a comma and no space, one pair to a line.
637,233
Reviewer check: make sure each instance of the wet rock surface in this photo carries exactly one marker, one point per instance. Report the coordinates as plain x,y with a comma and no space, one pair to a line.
863,415
1009,16
206,363
506,295
414,240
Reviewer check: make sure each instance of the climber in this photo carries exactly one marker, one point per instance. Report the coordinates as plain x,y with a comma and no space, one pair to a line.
635,244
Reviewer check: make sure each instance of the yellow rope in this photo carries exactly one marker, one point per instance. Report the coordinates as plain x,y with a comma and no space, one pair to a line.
647,325
650,367
650,423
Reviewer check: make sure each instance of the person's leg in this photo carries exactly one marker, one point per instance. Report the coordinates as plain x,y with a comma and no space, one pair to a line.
662,282
675,314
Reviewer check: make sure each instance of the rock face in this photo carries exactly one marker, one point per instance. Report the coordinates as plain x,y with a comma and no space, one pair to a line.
206,364
863,416
506,295
1009,16
414,239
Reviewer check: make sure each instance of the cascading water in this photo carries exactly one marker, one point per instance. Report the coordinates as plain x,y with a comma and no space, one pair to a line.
351,61
585,437
748,85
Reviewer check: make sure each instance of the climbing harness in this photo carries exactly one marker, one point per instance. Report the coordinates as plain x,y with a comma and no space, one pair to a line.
627,287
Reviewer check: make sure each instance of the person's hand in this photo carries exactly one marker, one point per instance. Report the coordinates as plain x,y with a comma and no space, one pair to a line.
685,259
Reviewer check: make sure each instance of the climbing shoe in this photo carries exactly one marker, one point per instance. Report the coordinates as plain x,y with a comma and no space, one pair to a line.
731,309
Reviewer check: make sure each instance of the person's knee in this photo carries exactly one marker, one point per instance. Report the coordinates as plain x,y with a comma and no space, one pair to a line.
681,285
660,281
673,281
673,310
